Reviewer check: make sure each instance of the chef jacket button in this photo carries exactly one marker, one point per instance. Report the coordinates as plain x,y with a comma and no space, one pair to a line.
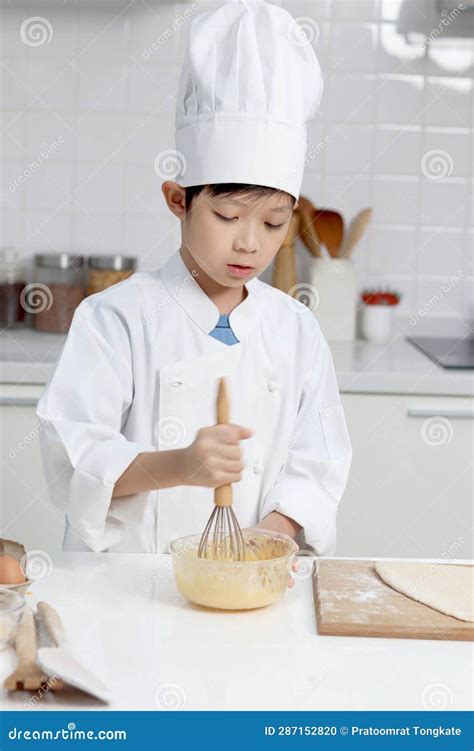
176,384
271,386
257,468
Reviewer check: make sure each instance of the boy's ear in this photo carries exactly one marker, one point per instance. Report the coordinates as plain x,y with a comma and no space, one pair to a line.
175,197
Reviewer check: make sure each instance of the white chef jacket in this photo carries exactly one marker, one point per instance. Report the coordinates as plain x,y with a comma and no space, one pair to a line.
139,372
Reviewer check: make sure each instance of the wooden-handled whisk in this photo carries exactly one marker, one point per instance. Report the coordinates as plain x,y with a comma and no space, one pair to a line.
222,538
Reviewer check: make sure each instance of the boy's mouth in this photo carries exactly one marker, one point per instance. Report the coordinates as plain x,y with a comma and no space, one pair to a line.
239,270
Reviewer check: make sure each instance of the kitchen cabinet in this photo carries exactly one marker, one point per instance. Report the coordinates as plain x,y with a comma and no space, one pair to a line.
26,512
410,490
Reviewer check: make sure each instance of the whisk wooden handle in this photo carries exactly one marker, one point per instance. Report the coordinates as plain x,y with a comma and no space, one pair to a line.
222,494
222,405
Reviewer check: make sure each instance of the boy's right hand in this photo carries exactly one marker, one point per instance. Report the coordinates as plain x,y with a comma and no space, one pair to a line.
215,457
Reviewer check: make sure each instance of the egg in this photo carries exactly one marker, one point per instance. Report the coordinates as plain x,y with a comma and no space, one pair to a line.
10,571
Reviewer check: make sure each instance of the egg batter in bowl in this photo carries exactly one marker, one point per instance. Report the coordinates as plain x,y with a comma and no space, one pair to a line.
226,584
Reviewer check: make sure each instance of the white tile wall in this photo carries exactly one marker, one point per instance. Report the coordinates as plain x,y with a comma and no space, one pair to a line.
397,114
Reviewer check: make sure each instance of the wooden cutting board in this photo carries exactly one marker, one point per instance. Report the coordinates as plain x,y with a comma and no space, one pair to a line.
352,600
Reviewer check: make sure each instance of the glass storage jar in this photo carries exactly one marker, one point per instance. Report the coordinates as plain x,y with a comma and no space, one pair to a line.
56,292
12,282
104,271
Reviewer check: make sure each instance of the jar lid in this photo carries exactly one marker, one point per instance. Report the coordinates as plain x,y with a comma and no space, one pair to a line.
59,260
11,268
12,276
112,262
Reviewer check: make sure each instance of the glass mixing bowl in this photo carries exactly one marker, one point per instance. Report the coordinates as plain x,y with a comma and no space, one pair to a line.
235,585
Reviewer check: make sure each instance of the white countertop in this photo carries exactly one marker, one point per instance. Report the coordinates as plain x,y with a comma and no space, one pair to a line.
28,357
127,622
395,368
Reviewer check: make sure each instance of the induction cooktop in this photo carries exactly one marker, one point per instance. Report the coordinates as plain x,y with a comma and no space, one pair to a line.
449,352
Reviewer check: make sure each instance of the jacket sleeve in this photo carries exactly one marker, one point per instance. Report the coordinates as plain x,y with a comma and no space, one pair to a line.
81,412
317,458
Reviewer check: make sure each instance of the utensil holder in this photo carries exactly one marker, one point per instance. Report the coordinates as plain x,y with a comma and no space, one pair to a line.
333,295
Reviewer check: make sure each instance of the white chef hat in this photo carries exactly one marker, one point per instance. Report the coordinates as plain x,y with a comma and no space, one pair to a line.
250,82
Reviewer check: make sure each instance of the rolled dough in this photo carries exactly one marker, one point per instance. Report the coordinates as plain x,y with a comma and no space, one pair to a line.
446,587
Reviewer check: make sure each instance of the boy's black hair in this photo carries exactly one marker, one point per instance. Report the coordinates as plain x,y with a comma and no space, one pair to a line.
259,191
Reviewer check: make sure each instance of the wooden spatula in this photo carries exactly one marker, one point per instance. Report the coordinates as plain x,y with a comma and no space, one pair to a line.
330,228
59,660
308,232
284,269
28,676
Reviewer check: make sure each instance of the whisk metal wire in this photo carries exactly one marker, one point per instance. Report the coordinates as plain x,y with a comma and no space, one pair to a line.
222,538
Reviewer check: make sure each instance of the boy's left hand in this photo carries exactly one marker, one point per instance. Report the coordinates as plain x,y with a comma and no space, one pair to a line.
294,567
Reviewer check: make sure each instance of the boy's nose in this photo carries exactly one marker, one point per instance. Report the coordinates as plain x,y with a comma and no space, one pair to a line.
247,242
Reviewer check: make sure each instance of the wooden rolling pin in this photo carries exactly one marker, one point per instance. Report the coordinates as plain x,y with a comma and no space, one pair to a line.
28,675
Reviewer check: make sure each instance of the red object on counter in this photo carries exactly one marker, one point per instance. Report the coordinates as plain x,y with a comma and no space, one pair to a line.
380,298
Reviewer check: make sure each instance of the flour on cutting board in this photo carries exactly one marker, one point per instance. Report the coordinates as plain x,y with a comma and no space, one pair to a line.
369,590
358,596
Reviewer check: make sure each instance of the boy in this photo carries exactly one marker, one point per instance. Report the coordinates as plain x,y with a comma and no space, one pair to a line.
131,451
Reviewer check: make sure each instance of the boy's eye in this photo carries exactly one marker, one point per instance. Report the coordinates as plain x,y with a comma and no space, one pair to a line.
231,219
225,218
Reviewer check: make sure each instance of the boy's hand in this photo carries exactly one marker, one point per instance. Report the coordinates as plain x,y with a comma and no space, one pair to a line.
215,457
294,567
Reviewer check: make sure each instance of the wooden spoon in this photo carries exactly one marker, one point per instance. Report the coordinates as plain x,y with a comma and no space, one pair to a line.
330,228
356,232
